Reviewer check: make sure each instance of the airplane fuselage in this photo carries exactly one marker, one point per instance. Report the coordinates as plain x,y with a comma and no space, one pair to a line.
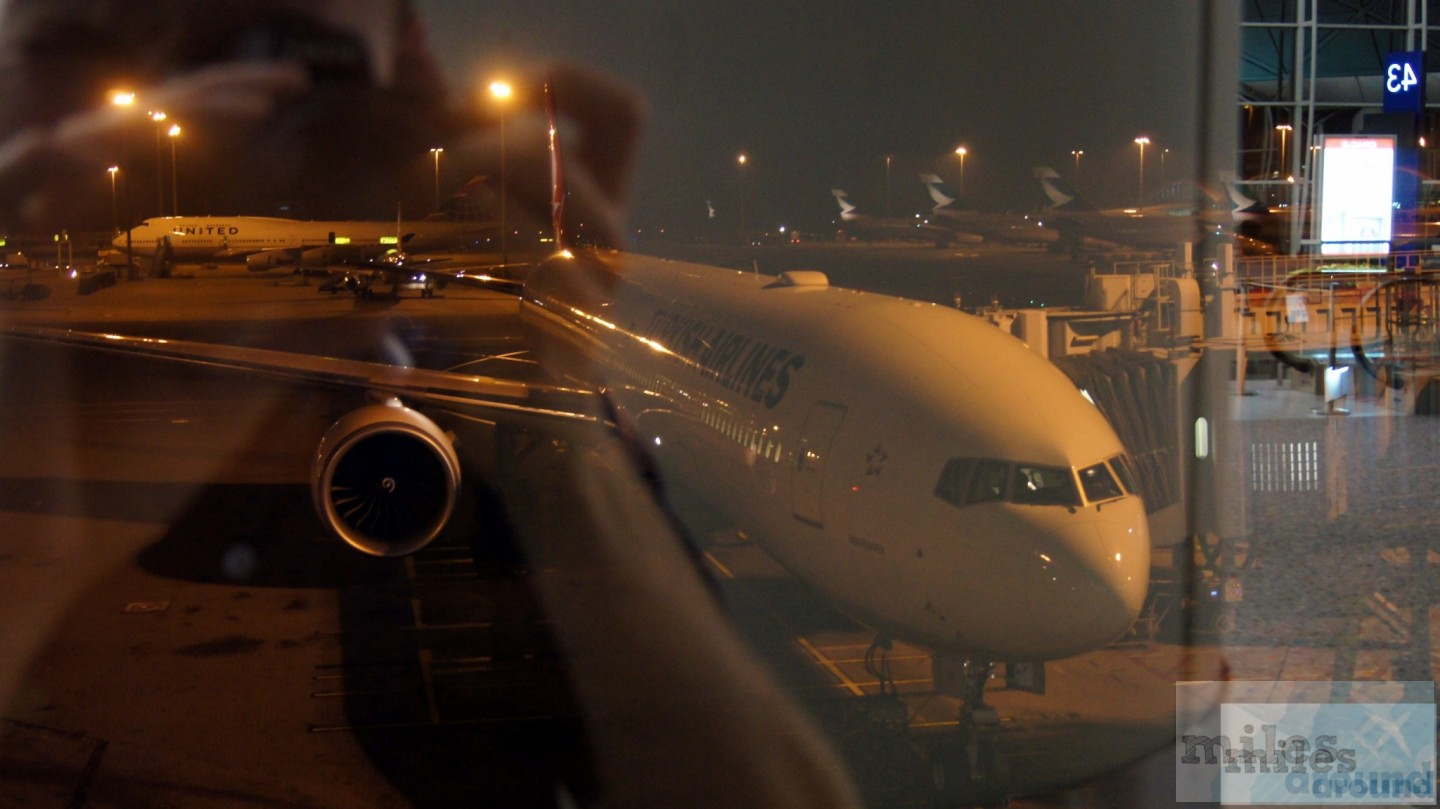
913,464
217,237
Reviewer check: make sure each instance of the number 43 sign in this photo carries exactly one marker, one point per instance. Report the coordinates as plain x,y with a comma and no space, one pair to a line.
1405,82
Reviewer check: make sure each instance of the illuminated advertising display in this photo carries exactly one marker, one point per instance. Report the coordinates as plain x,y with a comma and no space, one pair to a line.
1357,203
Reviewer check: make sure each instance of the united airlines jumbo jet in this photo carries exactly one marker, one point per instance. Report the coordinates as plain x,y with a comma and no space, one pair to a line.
266,241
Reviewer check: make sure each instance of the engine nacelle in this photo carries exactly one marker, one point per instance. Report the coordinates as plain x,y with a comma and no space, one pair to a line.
267,260
385,479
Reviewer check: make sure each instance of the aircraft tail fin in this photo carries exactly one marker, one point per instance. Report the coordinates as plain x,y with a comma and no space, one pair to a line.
457,206
1061,194
941,193
1239,200
847,208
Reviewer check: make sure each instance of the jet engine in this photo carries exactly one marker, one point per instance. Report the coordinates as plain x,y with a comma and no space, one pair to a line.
385,479
267,260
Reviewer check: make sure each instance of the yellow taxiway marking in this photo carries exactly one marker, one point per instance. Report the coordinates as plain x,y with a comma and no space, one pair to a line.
809,648
830,666
724,571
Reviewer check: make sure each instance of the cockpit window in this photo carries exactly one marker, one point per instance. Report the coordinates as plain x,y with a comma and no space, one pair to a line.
953,477
970,481
1043,486
1123,471
987,483
1099,484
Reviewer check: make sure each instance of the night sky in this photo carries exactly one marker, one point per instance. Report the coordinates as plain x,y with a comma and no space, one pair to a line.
818,93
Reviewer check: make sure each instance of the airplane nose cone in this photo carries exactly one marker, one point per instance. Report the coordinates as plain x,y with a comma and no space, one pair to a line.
1091,578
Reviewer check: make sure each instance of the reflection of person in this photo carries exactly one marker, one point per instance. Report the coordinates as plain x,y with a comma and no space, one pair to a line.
322,104
331,102
1408,302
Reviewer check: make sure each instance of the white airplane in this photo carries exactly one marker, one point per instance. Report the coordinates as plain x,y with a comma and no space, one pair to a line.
919,468
864,226
1157,225
998,227
266,241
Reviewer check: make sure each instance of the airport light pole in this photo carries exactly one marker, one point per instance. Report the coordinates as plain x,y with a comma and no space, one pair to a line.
1077,154
436,152
174,132
159,117
114,209
125,100
1141,141
1283,129
501,92
741,160
962,151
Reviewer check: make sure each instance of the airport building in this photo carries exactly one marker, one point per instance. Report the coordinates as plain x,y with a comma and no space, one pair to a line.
1312,68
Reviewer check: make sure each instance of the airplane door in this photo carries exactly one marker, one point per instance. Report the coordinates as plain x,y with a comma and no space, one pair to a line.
816,436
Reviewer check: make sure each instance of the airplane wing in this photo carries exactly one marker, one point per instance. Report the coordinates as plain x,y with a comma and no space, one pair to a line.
246,252
545,406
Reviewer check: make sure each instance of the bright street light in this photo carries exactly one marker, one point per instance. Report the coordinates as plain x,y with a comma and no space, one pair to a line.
741,160
962,151
501,91
1077,153
174,132
158,117
436,151
1141,141
126,99
1283,129
114,210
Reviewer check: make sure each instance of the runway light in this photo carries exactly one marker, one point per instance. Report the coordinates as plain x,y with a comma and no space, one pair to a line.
657,440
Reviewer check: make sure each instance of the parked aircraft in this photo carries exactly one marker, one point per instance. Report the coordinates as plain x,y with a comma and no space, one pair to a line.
922,470
1150,226
996,227
859,225
264,242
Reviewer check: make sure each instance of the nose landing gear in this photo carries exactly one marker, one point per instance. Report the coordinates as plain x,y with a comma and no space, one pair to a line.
969,768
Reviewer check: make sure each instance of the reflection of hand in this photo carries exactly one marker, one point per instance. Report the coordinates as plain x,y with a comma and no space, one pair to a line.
599,128
40,167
